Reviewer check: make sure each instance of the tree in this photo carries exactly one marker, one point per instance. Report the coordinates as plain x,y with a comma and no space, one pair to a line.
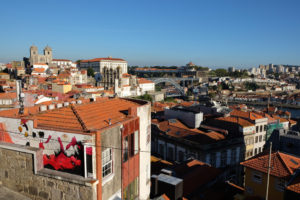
221,72
146,97
90,72
251,86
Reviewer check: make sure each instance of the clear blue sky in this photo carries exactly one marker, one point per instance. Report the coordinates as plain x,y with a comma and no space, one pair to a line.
155,32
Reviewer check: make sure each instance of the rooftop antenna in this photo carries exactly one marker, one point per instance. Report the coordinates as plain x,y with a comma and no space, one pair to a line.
20,96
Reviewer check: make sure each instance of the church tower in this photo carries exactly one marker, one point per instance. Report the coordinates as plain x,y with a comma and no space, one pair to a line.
34,57
48,54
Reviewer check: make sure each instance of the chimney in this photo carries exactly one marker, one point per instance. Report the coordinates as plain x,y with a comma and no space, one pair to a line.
43,108
79,102
59,105
51,106
66,104
154,186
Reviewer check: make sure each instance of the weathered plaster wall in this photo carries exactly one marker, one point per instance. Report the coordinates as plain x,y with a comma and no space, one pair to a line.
17,173
111,185
144,112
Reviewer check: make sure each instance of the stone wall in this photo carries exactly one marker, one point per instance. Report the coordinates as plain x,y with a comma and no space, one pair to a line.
17,173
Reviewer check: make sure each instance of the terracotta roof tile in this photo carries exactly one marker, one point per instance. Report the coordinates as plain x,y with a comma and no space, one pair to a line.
247,114
102,59
242,122
294,185
283,165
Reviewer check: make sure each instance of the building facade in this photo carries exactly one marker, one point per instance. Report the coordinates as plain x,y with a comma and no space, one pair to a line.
94,141
35,57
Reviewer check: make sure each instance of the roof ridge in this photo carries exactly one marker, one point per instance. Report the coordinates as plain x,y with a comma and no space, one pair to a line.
286,166
78,118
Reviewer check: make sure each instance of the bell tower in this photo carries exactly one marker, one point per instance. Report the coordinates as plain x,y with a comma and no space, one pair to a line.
48,54
33,55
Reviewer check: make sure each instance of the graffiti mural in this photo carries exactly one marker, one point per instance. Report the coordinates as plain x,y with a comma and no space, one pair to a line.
63,161
61,151
4,136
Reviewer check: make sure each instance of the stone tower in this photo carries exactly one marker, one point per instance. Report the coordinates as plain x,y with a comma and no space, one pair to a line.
34,57
48,54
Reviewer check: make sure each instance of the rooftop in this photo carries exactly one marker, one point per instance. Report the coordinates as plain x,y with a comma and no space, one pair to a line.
102,59
175,128
283,165
79,117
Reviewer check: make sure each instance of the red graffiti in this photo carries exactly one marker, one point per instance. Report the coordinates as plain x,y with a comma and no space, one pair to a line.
4,136
62,149
89,151
41,145
61,161
49,138
72,143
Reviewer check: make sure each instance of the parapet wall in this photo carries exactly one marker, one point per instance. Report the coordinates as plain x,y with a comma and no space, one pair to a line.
21,171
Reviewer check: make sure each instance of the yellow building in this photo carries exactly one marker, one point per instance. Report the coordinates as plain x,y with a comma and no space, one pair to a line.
61,87
282,169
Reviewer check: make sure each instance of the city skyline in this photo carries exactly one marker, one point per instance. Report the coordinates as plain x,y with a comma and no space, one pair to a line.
147,34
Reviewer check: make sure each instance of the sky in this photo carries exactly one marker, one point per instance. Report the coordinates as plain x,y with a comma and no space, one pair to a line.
213,33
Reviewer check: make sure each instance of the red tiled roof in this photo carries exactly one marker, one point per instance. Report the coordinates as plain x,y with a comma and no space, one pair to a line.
8,95
295,185
242,122
61,60
179,130
126,75
93,115
39,64
249,115
281,120
102,59
144,81
195,174
283,165
38,70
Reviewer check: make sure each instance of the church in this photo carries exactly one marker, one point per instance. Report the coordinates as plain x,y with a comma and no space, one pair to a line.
36,58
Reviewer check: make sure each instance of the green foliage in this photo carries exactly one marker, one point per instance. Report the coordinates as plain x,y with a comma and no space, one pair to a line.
212,95
221,72
157,88
146,97
237,74
90,72
251,86
189,93
169,99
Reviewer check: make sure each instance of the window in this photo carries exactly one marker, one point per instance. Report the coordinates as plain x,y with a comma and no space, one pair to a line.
259,150
260,138
213,159
256,139
255,151
170,153
257,177
280,184
257,129
180,156
136,142
131,191
233,156
131,145
162,150
125,149
261,128
223,158
106,162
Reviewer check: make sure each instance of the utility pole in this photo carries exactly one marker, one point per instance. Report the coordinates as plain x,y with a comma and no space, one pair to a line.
269,167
